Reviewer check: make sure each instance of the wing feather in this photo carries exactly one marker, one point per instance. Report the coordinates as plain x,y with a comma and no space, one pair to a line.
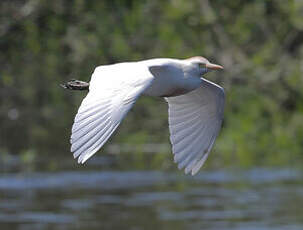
181,154
113,91
194,122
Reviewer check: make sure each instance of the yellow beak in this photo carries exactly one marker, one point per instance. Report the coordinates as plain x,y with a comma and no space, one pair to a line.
213,66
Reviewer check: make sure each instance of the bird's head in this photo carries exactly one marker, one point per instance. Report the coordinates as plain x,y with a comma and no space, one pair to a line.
202,64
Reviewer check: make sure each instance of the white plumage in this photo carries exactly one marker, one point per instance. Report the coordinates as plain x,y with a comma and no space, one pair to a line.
194,123
195,106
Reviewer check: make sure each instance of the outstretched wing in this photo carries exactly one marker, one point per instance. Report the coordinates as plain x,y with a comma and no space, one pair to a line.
113,91
194,123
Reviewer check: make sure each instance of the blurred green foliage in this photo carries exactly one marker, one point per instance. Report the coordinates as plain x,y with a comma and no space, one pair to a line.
44,43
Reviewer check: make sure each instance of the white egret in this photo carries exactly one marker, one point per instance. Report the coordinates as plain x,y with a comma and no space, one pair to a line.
195,105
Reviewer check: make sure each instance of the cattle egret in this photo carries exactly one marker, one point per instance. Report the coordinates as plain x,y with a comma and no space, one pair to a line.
195,105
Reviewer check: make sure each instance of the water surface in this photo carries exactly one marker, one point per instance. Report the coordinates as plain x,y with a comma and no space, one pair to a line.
99,197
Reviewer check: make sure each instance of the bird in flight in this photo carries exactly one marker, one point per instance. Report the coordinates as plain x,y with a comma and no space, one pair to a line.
195,105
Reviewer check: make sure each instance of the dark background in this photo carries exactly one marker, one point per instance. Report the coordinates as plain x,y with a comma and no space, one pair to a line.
44,43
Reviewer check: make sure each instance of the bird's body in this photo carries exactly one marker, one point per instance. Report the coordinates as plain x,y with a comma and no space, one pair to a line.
170,80
195,106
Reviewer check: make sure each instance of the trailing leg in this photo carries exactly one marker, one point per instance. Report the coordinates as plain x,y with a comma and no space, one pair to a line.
75,85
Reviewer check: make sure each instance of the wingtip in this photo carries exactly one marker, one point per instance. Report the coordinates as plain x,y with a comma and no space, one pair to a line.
180,166
79,160
74,155
187,170
73,147
83,158
193,172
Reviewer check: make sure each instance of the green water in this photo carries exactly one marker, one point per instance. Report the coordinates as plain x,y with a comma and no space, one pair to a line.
102,196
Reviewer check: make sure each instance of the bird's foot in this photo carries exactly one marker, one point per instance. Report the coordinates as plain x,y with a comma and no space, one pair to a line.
75,85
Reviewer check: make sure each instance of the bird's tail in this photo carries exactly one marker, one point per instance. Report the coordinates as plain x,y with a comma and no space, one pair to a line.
75,85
